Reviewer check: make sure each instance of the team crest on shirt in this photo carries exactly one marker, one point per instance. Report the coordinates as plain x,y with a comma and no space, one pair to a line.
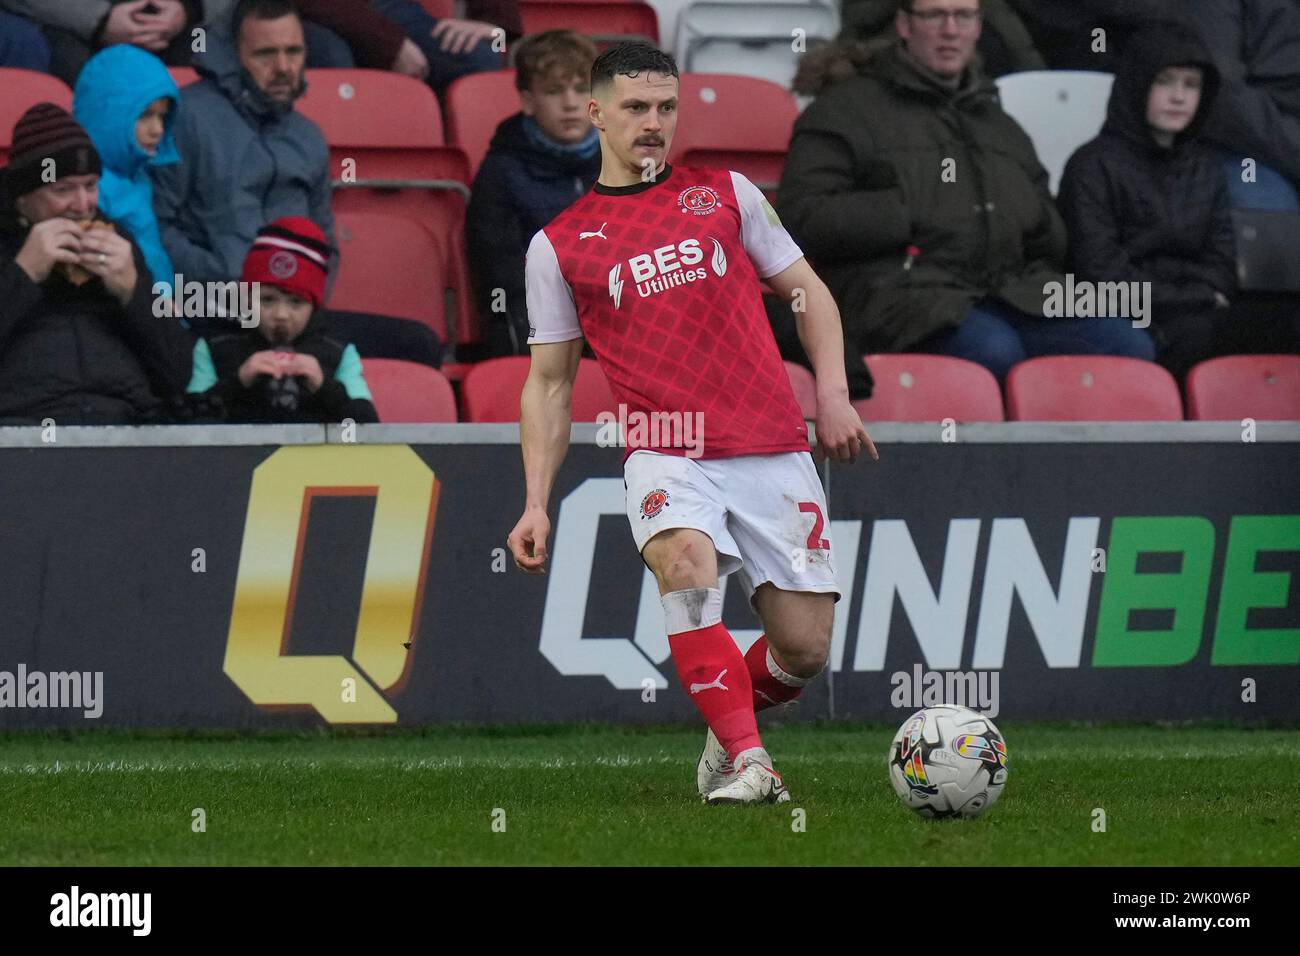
653,503
699,200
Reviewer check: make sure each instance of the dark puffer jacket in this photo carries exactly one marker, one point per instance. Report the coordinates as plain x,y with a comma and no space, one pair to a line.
74,353
343,393
864,180
518,190
1138,212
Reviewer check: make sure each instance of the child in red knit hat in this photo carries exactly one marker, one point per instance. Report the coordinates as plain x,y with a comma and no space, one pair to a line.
286,367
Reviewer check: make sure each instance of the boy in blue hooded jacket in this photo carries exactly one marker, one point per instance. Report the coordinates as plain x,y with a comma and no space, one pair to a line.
127,101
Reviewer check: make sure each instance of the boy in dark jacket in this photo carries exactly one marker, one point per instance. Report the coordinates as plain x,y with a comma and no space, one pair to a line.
286,367
540,161
1146,202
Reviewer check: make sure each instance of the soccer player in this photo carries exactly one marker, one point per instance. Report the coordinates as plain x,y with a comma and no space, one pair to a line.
658,268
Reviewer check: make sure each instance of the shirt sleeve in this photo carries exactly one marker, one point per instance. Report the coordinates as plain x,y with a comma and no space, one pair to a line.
552,313
350,375
204,374
769,246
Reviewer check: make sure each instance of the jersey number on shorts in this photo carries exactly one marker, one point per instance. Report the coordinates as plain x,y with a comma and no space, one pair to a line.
815,541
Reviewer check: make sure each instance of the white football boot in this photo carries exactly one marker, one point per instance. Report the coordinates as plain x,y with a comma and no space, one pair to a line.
715,769
754,782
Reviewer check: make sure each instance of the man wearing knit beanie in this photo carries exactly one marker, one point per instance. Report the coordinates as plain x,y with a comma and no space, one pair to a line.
78,339
288,366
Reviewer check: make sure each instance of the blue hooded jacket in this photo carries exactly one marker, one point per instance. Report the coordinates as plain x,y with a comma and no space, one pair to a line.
115,87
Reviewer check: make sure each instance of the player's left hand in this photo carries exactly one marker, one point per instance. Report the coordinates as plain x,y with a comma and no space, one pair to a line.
840,433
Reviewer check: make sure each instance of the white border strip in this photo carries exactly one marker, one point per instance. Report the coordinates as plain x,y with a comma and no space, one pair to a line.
981,433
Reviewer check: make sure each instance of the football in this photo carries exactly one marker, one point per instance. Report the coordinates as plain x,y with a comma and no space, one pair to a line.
947,762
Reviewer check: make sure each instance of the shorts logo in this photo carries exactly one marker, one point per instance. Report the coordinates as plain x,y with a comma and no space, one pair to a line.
700,200
282,264
653,503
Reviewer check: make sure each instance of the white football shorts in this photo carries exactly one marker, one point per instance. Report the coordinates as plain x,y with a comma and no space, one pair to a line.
766,514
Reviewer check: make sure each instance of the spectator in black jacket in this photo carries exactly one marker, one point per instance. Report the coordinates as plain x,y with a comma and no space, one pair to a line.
540,161
1256,46
286,366
1146,202
81,341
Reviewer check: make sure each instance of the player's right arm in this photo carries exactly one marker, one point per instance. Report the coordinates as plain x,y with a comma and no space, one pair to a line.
546,405
545,414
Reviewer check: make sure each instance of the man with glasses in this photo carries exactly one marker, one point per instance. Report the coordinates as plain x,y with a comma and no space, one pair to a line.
924,206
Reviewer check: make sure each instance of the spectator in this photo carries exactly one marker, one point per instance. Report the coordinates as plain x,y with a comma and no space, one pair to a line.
75,29
1004,46
126,100
79,341
1145,202
455,47
1256,46
22,45
401,35
287,367
247,157
342,33
541,160
1089,34
926,211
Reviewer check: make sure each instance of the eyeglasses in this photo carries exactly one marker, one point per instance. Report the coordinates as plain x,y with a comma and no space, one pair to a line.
964,19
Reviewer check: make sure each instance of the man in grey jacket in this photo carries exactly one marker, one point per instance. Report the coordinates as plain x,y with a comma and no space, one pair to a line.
247,158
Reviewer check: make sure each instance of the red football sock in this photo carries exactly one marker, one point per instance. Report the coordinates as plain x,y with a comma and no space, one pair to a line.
708,660
771,684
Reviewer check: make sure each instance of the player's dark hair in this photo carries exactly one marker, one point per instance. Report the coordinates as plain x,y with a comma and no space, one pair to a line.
262,10
630,59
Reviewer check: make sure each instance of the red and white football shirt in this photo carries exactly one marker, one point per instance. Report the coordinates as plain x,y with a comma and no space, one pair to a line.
662,278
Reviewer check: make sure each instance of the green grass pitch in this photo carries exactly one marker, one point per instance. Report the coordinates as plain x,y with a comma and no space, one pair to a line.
1186,796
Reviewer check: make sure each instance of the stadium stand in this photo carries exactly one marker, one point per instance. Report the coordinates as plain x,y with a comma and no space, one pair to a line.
388,154
183,75
805,388
391,265
753,41
930,388
408,392
22,89
1072,388
605,21
1059,109
476,105
491,389
1234,387
737,122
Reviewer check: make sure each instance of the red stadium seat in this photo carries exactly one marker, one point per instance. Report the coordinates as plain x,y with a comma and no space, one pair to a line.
23,89
408,392
930,388
387,154
439,9
805,388
391,265
183,75
491,390
1234,387
476,105
605,21
1097,388
736,122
